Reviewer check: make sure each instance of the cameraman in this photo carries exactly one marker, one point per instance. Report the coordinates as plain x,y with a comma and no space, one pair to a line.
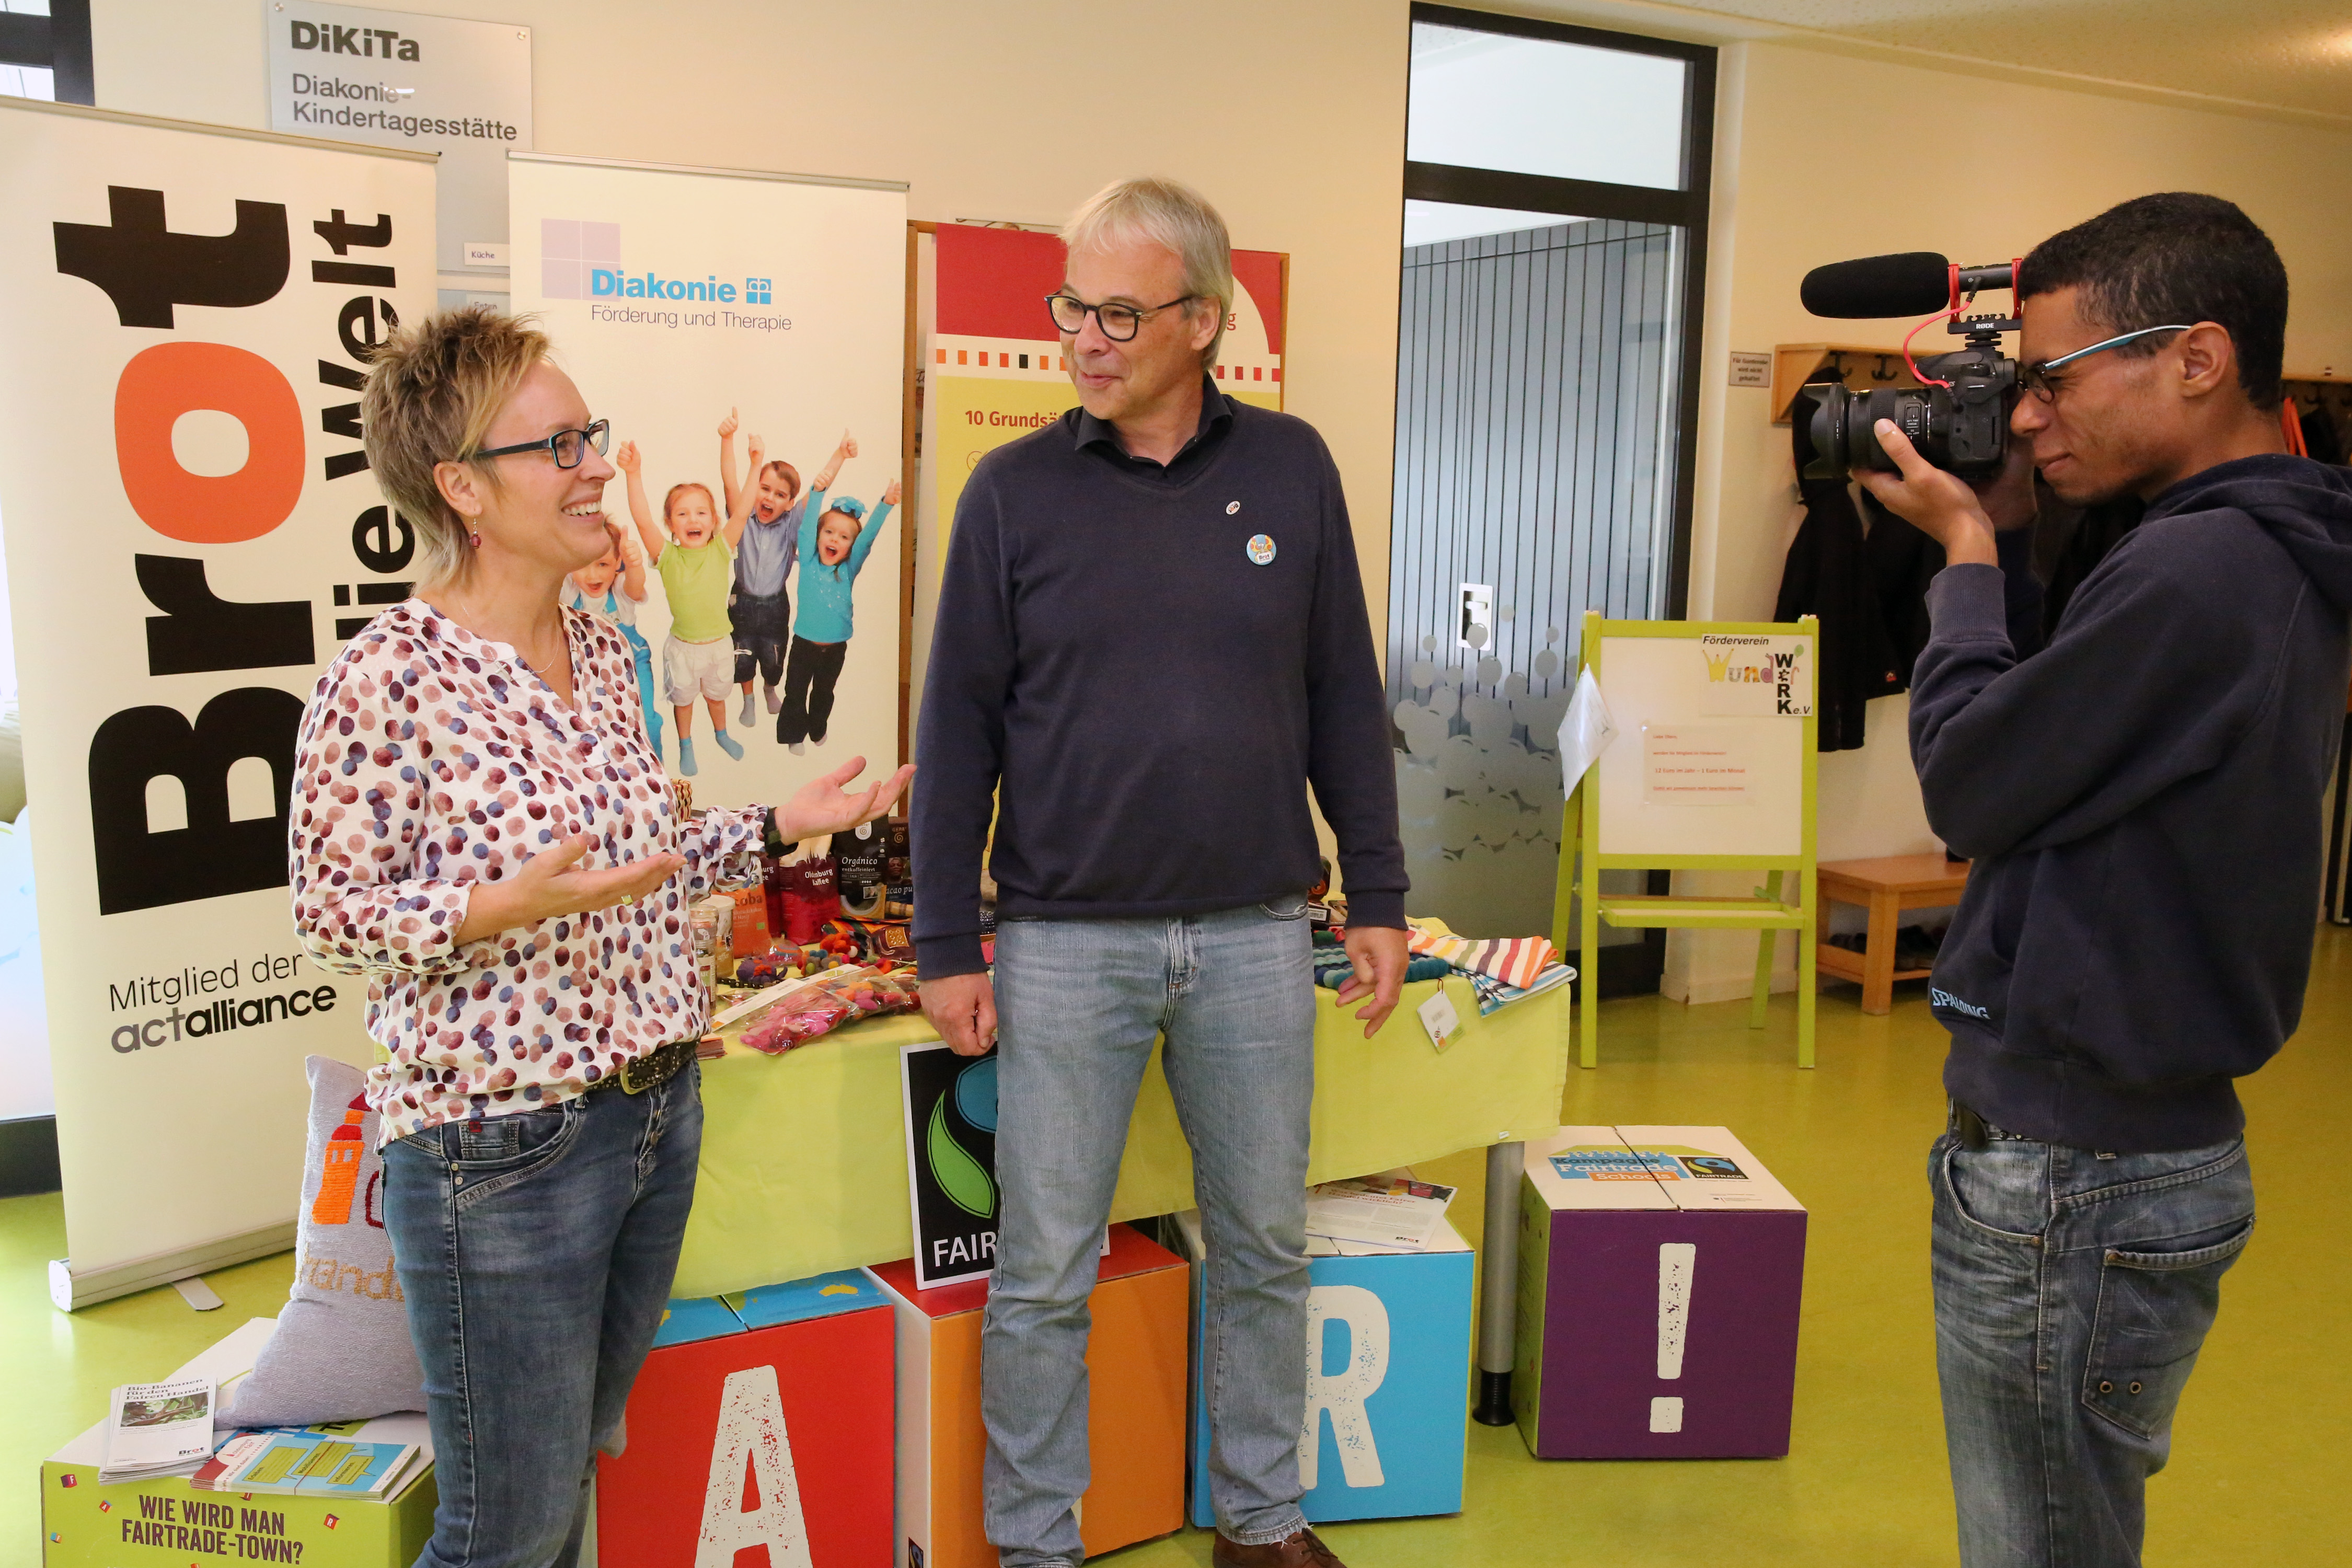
2142,802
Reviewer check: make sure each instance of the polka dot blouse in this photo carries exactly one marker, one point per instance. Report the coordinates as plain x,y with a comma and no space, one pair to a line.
431,759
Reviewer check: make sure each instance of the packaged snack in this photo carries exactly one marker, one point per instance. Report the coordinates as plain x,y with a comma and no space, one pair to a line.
799,1012
861,867
812,897
749,934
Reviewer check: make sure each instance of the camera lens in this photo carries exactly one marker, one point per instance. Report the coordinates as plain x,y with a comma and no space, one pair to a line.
1962,428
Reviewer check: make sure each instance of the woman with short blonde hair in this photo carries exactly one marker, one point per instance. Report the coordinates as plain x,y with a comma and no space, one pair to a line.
480,827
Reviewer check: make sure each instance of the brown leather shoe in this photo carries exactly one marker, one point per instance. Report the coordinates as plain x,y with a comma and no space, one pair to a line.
1303,1550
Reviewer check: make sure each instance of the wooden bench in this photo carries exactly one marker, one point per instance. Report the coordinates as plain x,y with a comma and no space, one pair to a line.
1885,887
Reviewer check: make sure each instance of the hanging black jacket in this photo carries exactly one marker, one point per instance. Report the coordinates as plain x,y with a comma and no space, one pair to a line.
1828,574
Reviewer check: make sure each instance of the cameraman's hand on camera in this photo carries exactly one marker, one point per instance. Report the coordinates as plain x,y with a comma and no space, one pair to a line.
2008,496
1938,504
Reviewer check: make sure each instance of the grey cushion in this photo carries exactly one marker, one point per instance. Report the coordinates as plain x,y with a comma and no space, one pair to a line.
341,1350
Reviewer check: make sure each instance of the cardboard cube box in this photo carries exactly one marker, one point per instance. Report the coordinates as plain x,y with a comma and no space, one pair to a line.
761,1420
1660,1273
167,1523
1135,1428
1385,1432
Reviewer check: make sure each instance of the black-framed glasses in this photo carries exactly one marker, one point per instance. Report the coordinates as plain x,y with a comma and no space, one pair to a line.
1119,322
568,447
2036,379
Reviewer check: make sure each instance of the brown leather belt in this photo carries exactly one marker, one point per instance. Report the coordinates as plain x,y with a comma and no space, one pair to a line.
651,1070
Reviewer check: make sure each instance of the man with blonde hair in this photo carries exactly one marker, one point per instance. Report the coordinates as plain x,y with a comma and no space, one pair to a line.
1151,642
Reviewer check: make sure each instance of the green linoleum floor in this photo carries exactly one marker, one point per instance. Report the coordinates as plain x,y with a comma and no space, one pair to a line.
2257,1451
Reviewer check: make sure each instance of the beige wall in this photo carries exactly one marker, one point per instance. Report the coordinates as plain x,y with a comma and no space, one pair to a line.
1292,120
1290,113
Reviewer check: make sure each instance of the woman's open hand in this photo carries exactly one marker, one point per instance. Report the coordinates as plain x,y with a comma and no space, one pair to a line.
551,884
824,806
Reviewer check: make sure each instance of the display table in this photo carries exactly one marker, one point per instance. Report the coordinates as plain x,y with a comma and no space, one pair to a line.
805,1159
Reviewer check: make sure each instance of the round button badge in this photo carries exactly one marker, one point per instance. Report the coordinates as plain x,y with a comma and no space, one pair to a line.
1261,550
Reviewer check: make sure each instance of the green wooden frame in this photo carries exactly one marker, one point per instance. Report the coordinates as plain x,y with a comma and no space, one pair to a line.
1766,914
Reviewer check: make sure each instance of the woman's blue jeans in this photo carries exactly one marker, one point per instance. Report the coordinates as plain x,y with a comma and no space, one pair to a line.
2072,1292
536,1251
1080,1004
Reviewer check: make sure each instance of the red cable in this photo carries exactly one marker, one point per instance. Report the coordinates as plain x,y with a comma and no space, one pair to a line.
1952,272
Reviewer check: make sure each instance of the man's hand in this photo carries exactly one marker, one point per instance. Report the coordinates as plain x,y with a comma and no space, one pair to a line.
1379,956
962,1008
2008,496
1938,504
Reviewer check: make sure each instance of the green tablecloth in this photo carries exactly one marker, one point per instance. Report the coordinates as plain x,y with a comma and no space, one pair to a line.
805,1157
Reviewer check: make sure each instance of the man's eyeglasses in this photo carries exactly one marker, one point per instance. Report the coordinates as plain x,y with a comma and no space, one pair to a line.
1119,322
568,447
2036,378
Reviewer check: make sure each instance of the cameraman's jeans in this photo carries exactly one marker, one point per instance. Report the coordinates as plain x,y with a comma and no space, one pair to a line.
1078,1003
536,1251
2071,1295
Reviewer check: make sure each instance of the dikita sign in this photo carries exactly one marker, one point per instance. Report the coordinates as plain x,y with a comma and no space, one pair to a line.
398,78
580,259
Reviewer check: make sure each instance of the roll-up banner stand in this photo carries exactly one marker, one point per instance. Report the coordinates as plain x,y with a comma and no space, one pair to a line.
192,532
677,297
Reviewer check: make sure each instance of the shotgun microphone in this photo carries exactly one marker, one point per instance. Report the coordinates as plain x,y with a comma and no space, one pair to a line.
1914,283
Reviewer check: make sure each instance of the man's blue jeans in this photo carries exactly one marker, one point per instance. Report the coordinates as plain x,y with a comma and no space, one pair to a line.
536,1251
2073,1291
1078,1004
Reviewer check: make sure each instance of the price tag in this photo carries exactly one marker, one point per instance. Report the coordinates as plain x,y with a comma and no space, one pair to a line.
1439,1019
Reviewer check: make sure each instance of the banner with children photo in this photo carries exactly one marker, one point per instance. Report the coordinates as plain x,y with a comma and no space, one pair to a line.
744,332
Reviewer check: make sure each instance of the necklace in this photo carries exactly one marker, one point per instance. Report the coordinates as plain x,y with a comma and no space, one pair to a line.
538,669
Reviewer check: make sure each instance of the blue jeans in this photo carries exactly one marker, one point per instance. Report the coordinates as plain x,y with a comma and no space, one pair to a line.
1078,1006
2072,1292
536,1251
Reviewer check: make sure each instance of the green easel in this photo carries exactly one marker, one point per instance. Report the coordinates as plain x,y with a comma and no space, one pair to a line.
1625,815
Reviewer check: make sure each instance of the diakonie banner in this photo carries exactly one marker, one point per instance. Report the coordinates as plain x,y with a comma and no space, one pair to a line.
192,532
680,300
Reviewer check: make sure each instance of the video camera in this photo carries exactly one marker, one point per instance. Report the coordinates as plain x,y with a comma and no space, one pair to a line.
1959,416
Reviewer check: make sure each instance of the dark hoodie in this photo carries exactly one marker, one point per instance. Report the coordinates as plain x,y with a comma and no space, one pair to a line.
2142,801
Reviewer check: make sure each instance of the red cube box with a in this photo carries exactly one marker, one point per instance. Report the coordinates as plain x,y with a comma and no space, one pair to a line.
778,1437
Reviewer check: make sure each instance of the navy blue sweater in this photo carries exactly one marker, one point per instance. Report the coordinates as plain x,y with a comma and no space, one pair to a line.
2142,802
1153,698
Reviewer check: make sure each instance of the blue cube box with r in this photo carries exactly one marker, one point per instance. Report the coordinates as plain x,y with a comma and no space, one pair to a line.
1388,1381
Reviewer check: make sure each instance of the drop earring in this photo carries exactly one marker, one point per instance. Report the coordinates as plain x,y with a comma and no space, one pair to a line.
474,540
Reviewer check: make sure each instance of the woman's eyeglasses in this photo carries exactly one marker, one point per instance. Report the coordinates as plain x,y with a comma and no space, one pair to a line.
568,447
1119,322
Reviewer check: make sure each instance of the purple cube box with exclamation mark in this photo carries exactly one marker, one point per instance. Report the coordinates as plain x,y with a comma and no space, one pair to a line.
1660,1269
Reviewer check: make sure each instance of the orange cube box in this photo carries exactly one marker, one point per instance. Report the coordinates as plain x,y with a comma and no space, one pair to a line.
1136,1365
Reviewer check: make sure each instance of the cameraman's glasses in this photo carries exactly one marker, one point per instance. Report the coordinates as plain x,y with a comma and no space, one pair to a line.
2037,380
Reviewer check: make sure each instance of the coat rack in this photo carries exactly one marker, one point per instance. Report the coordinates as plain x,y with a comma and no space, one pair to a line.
1859,365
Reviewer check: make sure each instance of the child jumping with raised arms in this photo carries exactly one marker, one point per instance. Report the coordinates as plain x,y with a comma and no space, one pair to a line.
613,586
695,557
762,607
835,537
